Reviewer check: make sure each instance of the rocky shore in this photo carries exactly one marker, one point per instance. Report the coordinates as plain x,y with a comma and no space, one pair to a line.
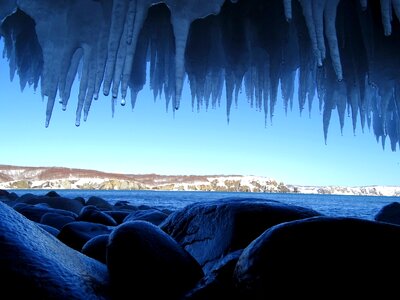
52,247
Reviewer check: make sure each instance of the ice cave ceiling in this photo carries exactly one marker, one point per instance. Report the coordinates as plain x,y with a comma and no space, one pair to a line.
343,54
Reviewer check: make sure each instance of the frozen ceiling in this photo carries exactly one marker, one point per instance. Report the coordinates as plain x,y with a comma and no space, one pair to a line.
345,55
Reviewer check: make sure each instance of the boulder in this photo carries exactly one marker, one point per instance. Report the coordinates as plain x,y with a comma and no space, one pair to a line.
390,213
36,212
151,215
218,283
7,197
338,256
100,203
52,194
35,265
117,215
56,220
91,213
96,247
144,260
4,193
125,206
210,230
72,205
76,234
80,200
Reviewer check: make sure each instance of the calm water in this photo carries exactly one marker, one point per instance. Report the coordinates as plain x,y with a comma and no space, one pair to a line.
331,205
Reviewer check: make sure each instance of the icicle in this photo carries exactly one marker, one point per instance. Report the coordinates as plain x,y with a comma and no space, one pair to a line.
364,4
138,15
308,15
133,99
218,85
208,89
101,59
181,30
396,6
386,11
326,117
130,20
273,94
83,85
67,60
354,105
117,27
288,9
119,64
266,88
73,70
229,82
318,16
90,87
238,86
339,96
330,30
50,105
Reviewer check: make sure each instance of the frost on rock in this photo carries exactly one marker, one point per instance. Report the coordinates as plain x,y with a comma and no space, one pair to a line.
343,53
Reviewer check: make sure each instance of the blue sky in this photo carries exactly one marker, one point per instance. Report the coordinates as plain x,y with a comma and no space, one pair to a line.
150,140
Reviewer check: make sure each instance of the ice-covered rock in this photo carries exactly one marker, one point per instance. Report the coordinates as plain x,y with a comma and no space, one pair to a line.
143,260
76,234
344,256
35,265
390,213
210,230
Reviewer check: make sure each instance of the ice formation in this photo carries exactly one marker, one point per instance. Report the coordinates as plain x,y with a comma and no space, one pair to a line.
345,53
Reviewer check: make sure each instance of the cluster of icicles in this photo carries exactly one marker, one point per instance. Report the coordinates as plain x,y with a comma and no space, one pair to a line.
343,53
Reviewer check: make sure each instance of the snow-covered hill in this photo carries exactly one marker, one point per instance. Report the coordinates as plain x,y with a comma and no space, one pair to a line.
15,177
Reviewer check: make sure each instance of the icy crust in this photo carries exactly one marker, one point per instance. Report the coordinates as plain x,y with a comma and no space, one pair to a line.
343,52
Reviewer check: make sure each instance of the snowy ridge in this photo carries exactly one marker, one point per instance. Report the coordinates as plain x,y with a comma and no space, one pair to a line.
52,178
338,190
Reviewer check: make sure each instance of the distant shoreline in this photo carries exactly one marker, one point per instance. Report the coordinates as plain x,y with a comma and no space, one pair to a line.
57,178
376,193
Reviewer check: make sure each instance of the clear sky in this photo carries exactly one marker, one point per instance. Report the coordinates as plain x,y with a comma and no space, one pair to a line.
150,140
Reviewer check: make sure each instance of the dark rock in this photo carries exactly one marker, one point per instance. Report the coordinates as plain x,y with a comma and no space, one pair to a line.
218,283
167,211
117,215
4,193
124,205
96,247
54,202
50,229
100,203
121,203
36,212
7,197
339,256
91,213
35,265
56,220
144,207
210,230
76,234
80,200
144,259
52,194
152,215
390,213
